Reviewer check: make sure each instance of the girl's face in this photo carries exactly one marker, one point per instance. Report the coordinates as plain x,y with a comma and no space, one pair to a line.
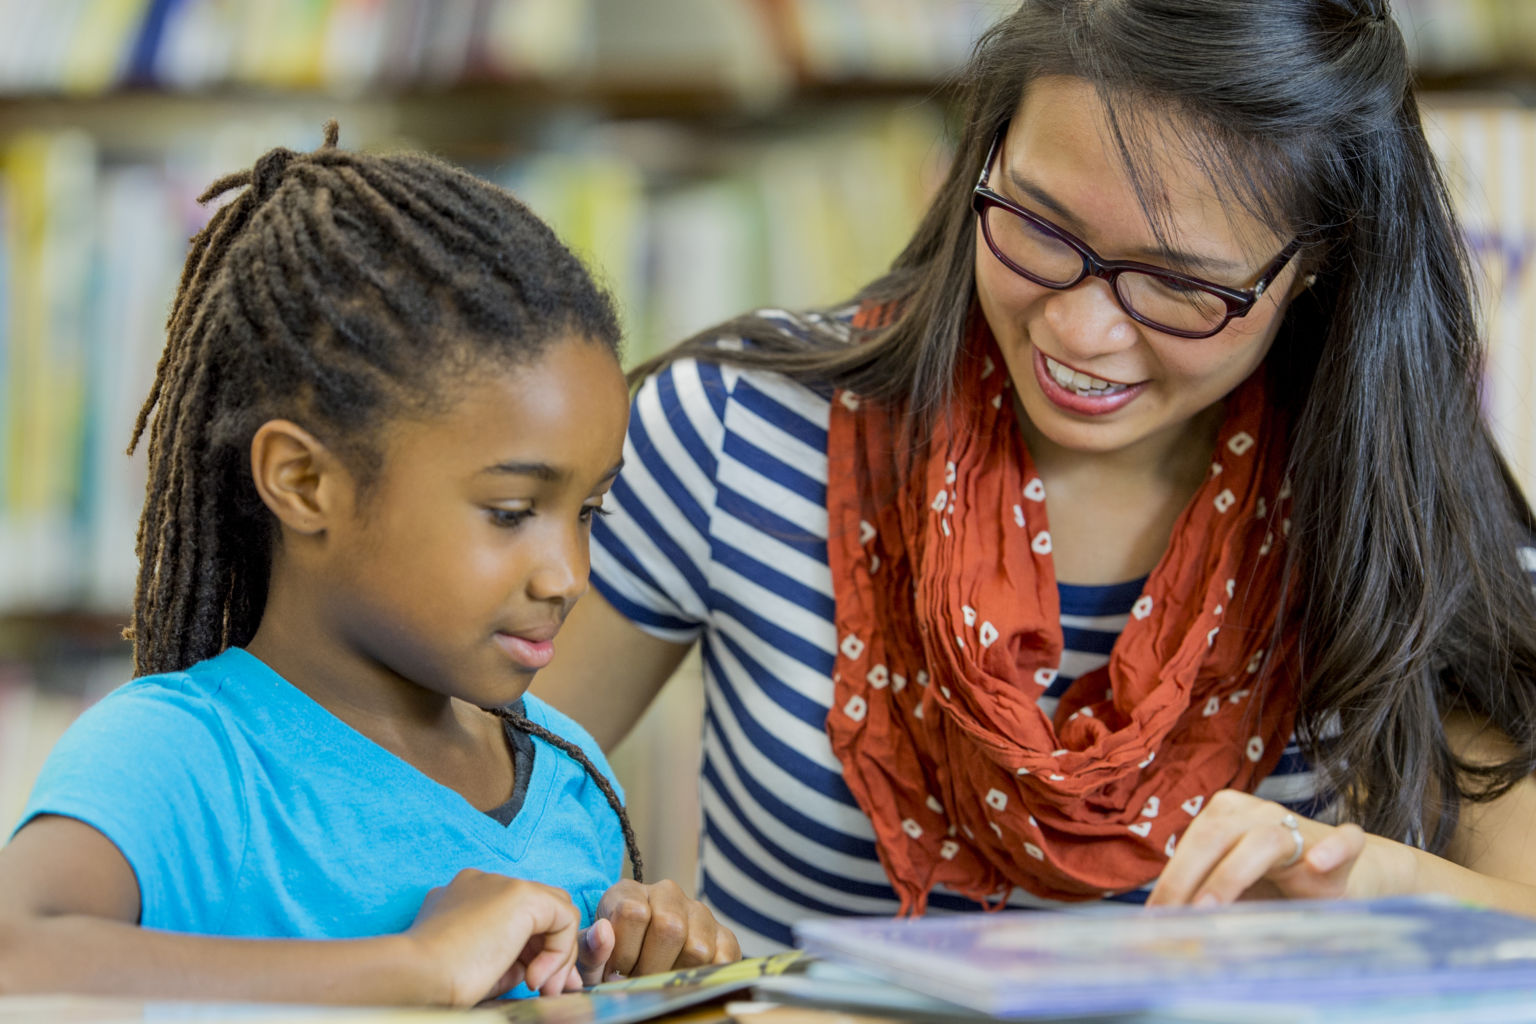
466,555
1148,389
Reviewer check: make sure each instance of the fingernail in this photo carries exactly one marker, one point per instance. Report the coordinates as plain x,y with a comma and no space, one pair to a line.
1207,899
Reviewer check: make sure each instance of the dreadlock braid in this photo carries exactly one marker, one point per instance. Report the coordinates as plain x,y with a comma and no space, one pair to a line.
522,724
335,289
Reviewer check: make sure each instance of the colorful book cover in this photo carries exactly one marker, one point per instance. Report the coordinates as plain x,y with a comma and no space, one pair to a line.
1125,960
791,978
650,996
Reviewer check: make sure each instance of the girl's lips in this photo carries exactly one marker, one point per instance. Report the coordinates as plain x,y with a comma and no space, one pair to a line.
530,654
1083,405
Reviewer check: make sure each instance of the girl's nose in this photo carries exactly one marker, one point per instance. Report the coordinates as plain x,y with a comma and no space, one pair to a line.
562,574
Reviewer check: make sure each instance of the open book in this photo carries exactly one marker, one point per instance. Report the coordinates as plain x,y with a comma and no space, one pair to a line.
792,977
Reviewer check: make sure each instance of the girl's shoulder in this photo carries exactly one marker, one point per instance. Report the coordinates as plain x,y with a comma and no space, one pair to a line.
193,694
221,703
543,714
158,742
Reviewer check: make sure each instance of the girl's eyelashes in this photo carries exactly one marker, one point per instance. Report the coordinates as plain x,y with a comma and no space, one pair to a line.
510,518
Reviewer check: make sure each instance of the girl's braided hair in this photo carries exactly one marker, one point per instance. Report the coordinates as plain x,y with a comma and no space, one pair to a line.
336,289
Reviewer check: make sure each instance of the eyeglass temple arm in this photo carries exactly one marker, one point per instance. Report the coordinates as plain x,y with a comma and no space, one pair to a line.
1273,271
986,165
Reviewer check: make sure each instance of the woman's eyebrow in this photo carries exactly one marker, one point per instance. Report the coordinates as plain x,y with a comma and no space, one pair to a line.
1173,258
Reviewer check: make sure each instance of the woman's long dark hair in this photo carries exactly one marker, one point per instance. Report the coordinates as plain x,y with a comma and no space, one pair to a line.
1404,548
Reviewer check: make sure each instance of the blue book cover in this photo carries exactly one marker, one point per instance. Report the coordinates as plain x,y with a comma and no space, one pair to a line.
139,65
1115,960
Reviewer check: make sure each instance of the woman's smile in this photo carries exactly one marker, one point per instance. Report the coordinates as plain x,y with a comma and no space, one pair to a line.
1075,391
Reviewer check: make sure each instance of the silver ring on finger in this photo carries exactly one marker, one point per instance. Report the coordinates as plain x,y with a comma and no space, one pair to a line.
1290,822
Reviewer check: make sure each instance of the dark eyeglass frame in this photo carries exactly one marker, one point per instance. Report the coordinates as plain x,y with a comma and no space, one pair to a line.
1239,301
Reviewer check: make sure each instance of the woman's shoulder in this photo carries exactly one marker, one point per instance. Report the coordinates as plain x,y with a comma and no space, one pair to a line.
716,384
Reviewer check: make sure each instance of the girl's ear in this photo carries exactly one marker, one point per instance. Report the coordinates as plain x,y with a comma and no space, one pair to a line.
297,476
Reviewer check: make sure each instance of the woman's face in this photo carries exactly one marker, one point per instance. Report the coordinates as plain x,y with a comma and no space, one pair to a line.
1145,390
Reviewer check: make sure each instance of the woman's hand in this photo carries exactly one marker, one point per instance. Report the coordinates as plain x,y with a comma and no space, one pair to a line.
642,929
486,933
1240,847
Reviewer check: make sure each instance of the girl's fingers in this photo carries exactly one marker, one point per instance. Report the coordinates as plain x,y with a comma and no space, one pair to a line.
552,924
727,949
701,938
667,931
659,928
630,917
596,947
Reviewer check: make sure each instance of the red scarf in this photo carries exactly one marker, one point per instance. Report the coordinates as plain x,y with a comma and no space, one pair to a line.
949,629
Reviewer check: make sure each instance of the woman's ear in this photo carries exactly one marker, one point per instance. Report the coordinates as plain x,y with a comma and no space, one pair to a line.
299,479
1303,282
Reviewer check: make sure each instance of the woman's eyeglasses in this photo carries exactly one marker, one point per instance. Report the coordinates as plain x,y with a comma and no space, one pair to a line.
1053,257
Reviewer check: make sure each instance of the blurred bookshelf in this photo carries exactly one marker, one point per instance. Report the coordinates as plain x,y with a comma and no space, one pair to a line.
1471,44
704,156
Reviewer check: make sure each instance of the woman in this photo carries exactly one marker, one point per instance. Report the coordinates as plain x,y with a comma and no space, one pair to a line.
1137,535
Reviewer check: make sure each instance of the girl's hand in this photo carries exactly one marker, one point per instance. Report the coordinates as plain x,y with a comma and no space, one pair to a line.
642,929
485,933
1239,847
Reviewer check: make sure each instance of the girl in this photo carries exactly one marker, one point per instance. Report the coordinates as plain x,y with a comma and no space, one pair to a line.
388,409
1140,526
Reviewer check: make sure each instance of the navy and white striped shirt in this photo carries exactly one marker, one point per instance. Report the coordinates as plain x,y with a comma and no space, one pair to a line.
718,533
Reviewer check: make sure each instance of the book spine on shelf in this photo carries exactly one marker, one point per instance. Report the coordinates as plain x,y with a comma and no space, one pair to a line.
754,48
93,246
1489,157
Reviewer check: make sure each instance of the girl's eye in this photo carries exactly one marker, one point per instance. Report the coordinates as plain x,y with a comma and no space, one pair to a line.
589,511
509,517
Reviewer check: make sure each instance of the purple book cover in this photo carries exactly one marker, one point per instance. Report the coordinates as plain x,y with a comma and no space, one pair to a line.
1117,960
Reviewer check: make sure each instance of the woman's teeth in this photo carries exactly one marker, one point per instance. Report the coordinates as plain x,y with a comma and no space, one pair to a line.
1081,383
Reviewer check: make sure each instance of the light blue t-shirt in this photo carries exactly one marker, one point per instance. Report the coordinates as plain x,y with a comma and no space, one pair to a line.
247,809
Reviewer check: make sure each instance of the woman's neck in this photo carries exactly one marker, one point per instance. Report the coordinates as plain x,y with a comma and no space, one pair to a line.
1176,458
1112,514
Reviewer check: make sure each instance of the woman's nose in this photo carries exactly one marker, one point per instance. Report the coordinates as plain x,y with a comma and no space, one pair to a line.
1088,320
